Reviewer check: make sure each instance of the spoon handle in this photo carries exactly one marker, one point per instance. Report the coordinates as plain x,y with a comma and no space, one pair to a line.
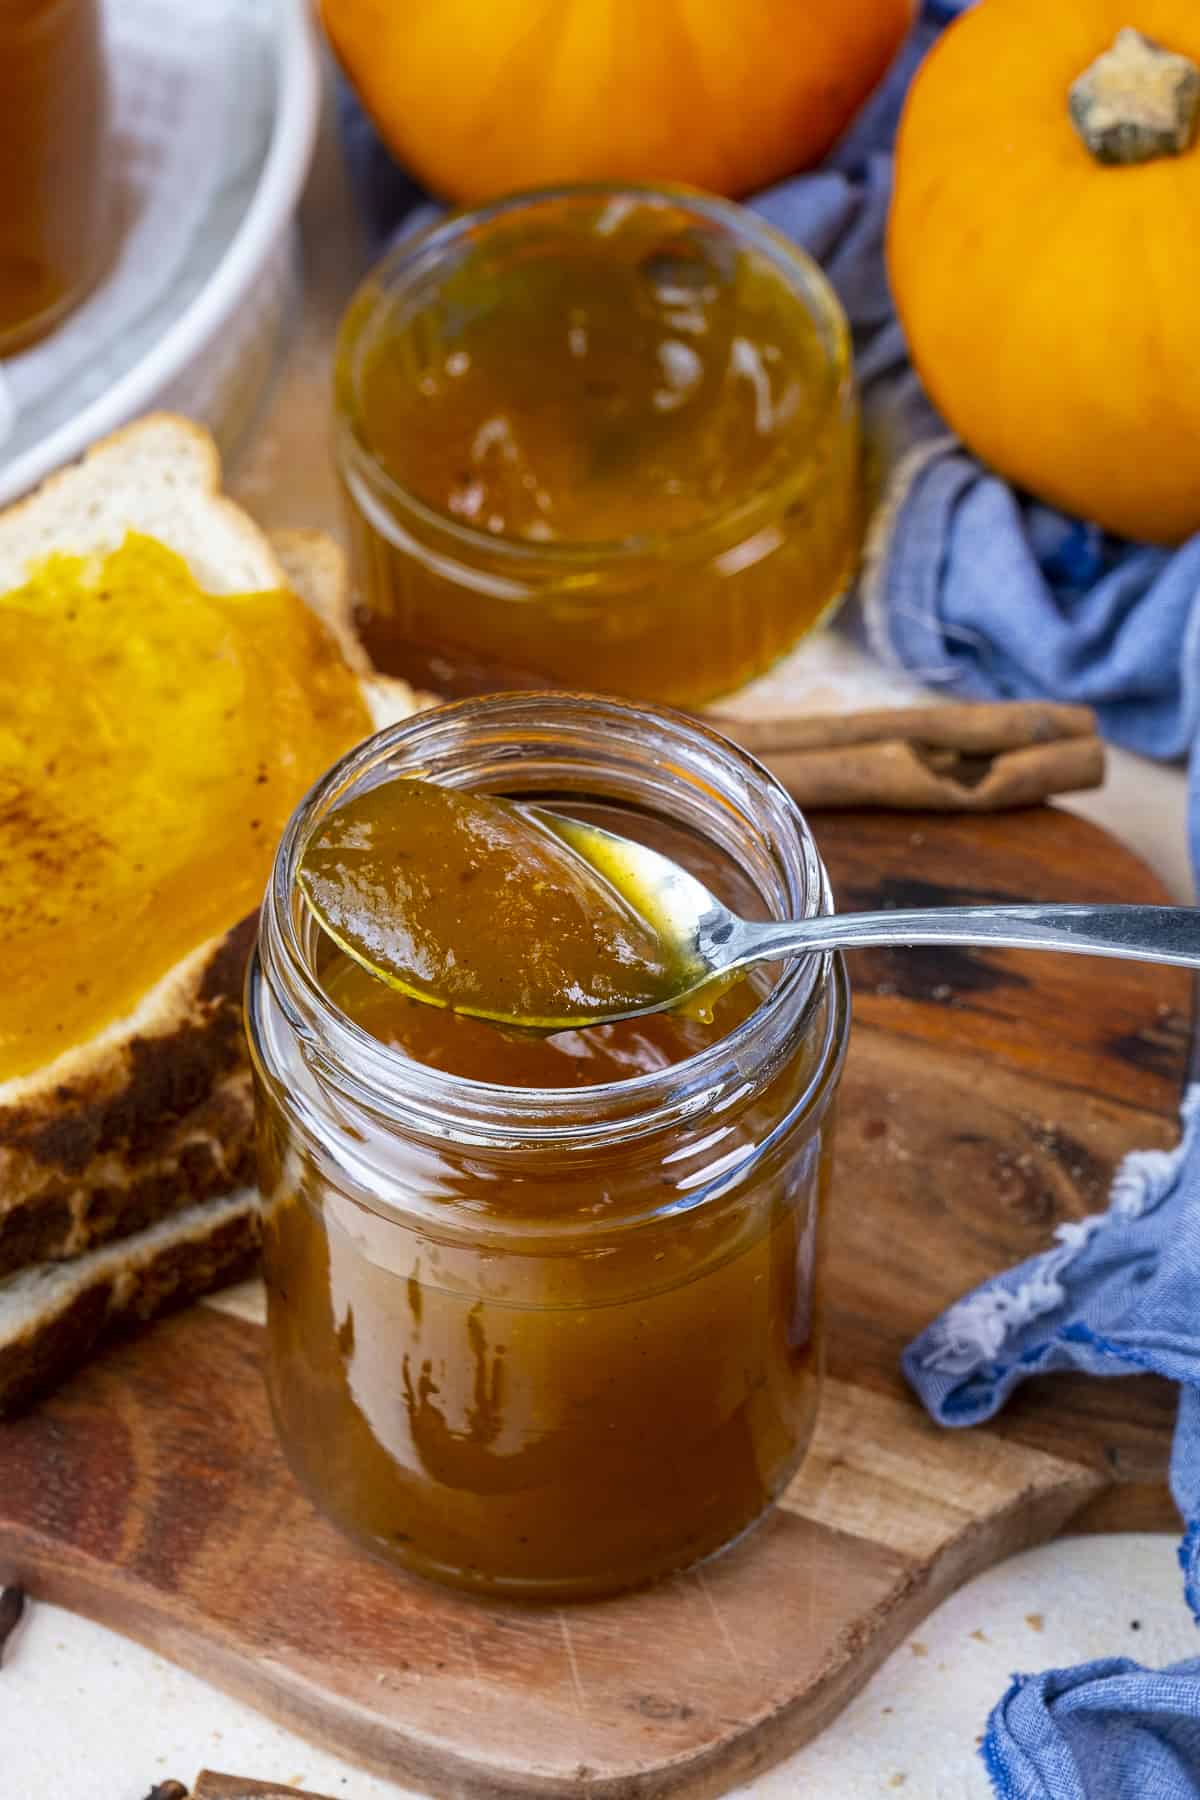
1162,934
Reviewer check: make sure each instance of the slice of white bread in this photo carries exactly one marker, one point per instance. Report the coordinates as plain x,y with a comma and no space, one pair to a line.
52,1316
153,1116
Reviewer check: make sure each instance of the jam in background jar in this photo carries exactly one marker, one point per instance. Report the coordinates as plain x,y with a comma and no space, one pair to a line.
56,210
596,437
544,1315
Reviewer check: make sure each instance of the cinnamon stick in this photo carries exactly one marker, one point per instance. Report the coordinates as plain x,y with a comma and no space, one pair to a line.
211,1786
960,757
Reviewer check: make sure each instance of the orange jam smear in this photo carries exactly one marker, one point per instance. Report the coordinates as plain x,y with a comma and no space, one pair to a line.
154,739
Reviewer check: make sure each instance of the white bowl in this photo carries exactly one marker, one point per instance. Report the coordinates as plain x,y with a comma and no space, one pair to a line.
213,353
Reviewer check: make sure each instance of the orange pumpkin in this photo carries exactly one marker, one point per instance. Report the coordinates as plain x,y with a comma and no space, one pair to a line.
1044,250
479,97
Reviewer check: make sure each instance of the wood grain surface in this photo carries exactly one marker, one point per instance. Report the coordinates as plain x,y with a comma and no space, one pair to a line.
987,1098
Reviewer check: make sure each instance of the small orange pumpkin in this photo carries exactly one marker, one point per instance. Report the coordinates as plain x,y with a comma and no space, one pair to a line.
479,97
1044,250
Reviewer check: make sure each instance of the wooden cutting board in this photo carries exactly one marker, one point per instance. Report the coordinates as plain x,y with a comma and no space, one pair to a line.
987,1099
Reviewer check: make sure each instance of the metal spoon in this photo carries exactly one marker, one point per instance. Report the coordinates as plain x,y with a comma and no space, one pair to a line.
712,942
693,947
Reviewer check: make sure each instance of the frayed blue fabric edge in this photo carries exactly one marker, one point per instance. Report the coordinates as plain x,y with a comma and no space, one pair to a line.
989,1750
1188,1552
1189,1558
968,1338
1142,1180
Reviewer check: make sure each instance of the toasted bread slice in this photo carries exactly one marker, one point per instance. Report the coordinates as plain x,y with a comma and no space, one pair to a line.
161,476
54,1315
154,1113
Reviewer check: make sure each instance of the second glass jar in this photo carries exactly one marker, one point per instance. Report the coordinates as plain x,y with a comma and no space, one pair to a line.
550,1342
596,436
56,198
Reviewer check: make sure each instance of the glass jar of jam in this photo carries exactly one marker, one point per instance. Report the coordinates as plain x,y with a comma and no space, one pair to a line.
596,437
55,175
545,1313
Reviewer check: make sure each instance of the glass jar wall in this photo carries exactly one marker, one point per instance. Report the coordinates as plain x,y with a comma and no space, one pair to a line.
598,437
56,212
545,1316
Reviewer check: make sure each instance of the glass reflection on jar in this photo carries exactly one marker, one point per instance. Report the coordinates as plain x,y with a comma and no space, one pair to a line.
544,1315
596,437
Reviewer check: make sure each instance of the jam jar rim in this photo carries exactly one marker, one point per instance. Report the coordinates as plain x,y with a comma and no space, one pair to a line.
808,284
418,1098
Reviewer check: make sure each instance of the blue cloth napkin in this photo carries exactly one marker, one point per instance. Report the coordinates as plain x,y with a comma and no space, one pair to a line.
1109,1730
1117,1294
981,590
978,589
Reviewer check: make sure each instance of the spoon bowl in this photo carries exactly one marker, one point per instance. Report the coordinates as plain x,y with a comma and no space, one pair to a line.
700,947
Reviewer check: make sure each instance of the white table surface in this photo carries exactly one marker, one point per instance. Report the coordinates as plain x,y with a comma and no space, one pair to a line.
88,1714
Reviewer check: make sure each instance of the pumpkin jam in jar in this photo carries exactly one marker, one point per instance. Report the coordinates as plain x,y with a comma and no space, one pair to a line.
544,1312
56,214
601,438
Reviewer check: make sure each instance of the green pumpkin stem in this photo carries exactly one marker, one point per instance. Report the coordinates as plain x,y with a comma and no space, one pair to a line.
1136,102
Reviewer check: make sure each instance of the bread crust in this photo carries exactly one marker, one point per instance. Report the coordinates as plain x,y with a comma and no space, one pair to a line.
135,1124
180,501
111,1292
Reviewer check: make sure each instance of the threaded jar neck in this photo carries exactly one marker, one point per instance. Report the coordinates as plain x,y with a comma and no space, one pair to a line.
559,748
